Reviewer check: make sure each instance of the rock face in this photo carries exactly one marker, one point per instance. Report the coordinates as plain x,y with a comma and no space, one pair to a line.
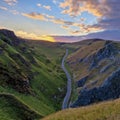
81,82
108,51
110,89
16,70
10,34
103,66
15,80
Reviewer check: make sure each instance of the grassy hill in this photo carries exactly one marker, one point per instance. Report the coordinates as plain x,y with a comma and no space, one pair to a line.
94,65
13,109
33,84
102,111
31,71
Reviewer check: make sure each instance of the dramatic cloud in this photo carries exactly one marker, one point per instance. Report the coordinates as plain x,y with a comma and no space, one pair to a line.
107,12
76,7
111,20
3,8
67,25
10,2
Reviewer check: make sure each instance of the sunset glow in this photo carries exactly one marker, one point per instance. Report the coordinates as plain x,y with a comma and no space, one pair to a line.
39,18
34,36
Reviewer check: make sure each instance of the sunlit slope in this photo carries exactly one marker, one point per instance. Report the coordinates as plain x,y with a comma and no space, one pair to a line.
102,111
32,72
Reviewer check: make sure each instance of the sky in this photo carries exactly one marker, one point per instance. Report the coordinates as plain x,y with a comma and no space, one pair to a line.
59,20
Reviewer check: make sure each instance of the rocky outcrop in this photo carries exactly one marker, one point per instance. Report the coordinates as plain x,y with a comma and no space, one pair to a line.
110,89
81,82
20,58
15,80
105,68
108,51
9,37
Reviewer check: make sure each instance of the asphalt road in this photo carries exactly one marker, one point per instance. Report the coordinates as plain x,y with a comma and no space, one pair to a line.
68,92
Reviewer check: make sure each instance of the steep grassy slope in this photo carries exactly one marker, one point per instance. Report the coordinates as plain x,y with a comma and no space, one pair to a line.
95,69
31,71
13,108
102,111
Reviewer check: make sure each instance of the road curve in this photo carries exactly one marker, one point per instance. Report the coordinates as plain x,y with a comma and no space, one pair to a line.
68,93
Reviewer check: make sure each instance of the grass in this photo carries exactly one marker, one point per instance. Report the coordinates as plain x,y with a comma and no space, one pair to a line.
40,63
13,108
102,111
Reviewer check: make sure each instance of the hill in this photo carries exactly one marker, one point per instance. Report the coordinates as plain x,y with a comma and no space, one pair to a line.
32,82
31,73
102,111
94,65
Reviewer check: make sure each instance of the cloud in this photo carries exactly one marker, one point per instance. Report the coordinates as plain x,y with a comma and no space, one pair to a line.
106,12
36,16
107,35
110,21
39,5
15,12
67,25
49,16
86,29
76,7
55,1
3,8
57,21
46,17
47,7
10,2
33,36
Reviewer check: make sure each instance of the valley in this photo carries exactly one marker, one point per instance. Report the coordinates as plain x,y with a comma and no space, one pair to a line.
39,78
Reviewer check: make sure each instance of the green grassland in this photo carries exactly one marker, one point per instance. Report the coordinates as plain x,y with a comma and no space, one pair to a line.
13,108
40,63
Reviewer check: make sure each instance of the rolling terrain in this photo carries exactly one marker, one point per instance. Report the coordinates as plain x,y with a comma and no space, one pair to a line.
95,68
33,82
29,72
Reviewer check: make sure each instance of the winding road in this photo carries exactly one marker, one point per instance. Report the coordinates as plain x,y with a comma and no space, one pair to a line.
68,93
